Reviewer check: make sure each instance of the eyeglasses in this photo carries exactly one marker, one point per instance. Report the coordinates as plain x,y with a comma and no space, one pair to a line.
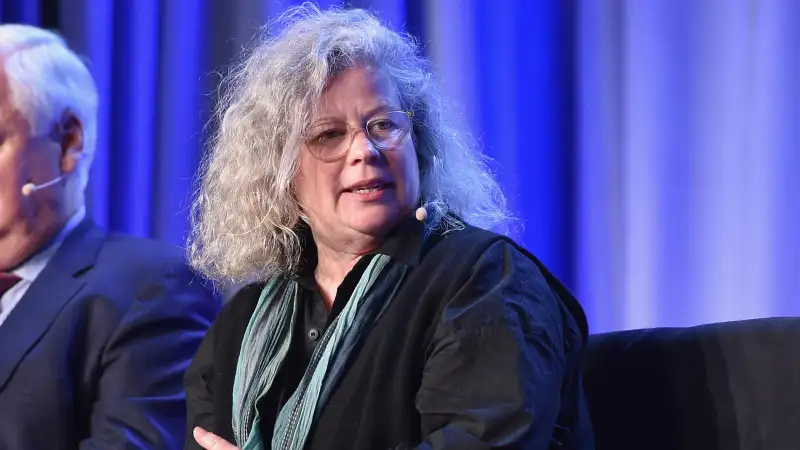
329,141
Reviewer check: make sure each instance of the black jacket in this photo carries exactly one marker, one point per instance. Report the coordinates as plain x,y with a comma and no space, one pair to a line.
481,348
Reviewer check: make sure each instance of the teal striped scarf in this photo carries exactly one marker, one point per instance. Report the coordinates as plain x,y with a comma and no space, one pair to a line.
266,343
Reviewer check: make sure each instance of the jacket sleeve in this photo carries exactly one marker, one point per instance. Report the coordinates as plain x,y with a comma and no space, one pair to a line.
199,394
495,365
140,401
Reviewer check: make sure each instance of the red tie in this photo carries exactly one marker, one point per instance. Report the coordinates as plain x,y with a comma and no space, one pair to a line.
7,281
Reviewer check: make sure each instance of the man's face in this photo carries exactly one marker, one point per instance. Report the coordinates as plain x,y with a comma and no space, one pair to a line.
28,222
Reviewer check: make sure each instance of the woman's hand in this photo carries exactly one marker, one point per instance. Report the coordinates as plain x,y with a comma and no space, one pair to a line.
211,441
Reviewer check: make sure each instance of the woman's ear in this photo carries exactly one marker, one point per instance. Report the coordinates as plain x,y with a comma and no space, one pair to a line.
70,136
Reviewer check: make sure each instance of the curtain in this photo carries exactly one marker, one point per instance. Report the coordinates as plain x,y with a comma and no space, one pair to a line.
688,157
647,147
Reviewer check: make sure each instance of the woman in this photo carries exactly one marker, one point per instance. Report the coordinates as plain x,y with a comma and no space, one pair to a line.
383,314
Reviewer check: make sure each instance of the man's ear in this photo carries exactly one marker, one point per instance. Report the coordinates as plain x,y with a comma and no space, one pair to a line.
70,137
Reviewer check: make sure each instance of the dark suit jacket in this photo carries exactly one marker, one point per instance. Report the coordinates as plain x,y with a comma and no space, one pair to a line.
93,355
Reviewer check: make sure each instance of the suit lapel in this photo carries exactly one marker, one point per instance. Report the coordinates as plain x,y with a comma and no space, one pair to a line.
47,296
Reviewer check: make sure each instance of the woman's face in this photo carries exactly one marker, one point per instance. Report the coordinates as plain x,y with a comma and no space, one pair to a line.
352,190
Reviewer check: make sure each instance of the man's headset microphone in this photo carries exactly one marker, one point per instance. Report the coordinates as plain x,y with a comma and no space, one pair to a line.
30,188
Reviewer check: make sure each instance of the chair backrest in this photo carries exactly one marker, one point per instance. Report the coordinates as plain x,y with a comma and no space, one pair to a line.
731,386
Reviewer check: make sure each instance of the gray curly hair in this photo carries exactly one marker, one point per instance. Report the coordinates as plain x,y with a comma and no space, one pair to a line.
245,216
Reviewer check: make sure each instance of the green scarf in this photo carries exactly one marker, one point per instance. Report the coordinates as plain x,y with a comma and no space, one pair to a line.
266,343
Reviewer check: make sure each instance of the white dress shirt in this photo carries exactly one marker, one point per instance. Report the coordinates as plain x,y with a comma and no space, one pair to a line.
30,269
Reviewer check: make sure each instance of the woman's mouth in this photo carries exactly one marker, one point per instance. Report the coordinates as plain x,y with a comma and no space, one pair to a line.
370,192
368,189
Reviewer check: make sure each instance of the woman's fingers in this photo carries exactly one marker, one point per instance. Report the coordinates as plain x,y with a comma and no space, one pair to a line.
211,441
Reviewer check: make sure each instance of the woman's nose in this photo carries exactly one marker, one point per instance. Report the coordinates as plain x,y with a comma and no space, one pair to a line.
361,148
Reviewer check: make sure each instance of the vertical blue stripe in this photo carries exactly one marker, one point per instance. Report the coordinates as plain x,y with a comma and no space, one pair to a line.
497,89
135,71
600,228
20,11
90,30
180,117
542,124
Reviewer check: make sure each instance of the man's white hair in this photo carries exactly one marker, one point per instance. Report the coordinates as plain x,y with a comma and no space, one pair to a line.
47,79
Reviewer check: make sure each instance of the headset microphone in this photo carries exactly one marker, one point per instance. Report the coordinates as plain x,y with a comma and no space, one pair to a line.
421,213
30,188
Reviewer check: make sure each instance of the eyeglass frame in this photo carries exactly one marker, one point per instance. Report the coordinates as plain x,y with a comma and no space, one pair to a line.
363,128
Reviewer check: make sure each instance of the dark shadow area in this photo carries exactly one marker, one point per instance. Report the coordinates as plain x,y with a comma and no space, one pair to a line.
731,386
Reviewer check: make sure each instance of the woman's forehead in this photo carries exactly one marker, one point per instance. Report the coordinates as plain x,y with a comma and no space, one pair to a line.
359,89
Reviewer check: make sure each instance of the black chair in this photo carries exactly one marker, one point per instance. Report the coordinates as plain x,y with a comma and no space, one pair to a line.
726,386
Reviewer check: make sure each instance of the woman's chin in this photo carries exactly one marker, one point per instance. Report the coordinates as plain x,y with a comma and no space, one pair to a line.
376,222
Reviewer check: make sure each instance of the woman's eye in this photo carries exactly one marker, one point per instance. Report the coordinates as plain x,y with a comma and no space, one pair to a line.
327,135
384,125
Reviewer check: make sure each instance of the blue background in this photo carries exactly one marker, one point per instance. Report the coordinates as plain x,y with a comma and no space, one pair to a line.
649,147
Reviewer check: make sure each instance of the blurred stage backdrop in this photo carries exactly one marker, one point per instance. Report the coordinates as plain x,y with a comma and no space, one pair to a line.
651,148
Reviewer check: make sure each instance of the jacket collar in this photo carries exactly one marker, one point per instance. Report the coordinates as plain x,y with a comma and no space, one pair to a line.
404,244
55,286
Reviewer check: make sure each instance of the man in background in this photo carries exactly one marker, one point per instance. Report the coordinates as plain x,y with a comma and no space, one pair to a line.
96,329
